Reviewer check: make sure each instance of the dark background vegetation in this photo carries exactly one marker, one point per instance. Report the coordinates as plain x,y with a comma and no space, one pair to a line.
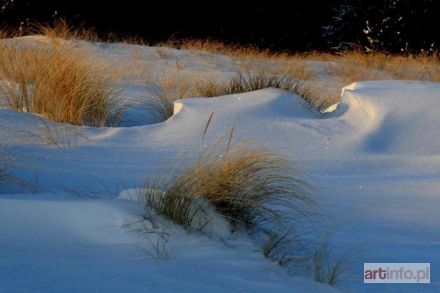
387,25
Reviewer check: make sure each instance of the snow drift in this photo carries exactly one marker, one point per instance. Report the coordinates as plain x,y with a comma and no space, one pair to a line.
375,158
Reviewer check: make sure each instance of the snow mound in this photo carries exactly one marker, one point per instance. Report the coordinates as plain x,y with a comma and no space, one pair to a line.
397,117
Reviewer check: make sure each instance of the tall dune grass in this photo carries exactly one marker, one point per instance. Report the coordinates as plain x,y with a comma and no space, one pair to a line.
255,191
356,66
60,29
249,187
161,104
246,81
7,32
61,82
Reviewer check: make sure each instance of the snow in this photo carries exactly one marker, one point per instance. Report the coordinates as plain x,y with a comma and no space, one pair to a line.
374,156
55,242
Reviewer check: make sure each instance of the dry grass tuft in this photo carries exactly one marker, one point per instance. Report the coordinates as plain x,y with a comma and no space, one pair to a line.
161,104
326,269
62,83
246,186
246,81
7,32
255,191
61,29
175,204
60,135
242,182
175,86
250,81
148,230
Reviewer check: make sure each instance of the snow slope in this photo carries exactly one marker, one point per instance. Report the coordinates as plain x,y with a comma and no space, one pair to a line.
375,159
59,243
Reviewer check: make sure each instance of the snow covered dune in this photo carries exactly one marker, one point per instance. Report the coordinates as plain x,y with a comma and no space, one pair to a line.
375,158
402,115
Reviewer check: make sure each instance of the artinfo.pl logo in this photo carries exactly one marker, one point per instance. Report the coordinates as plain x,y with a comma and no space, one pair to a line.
397,273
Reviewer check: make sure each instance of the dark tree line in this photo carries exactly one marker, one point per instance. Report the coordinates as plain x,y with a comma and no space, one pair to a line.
390,25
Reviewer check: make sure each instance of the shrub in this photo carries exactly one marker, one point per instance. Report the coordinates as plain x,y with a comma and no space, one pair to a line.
60,82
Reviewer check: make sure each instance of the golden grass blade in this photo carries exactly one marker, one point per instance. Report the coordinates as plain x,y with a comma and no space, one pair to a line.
231,134
208,122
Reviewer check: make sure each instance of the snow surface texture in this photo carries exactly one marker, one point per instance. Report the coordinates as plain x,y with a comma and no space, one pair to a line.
375,159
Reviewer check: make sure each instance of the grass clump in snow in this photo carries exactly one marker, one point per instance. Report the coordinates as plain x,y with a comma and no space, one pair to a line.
245,185
60,135
164,89
57,31
256,192
61,82
325,268
60,29
161,105
176,203
252,190
321,261
249,187
7,32
247,80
